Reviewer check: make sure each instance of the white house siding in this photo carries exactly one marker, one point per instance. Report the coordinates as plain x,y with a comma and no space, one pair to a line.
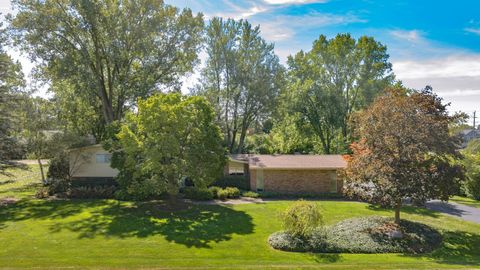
83,163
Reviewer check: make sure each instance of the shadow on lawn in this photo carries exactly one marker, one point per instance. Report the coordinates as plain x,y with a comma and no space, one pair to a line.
197,227
457,248
407,209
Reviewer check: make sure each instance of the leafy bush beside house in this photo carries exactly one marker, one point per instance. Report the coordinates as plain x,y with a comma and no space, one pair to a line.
238,181
170,137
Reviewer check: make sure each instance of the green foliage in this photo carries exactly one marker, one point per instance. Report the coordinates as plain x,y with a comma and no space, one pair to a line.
362,235
327,84
241,79
170,138
11,84
473,147
259,144
250,194
290,135
215,190
198,194
472,171
238,181
301,218
109,53
95,192
58,167
228,193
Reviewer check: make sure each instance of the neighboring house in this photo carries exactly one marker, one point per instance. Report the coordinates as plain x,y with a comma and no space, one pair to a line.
289,174
468,135
91,165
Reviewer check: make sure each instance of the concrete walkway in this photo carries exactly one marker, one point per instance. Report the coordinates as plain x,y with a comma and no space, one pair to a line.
464,212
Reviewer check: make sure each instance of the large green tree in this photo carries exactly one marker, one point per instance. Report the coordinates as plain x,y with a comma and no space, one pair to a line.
170,138
404,150
241,77
11,85
111,52
335,78
39,128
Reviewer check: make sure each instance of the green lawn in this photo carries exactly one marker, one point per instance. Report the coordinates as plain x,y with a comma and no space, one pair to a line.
21,183
466,201
107,234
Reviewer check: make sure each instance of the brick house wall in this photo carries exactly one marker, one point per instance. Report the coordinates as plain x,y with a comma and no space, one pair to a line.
298,181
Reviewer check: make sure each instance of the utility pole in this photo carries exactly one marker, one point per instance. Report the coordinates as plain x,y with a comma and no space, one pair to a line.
474,117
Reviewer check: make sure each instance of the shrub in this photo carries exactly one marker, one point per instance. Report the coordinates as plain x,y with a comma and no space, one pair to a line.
232,192
58,185
58,174
472,183
215,190
238,181
42,193
288,242
301,218
228,193
250,194
93,192
199,194
58,167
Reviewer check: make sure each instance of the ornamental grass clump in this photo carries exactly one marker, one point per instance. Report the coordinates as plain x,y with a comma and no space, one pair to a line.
301,218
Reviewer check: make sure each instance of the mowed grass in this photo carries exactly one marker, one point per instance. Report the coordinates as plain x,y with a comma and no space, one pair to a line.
109,234
20,182
466,201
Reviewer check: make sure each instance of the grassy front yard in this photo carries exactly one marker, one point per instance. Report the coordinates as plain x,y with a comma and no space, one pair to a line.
111,234
466,201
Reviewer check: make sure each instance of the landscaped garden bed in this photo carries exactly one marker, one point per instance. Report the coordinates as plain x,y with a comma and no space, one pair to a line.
373,234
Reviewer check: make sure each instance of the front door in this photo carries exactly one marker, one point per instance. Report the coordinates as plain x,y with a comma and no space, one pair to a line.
259,179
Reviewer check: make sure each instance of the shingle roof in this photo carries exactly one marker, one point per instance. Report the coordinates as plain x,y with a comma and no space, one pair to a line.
292,161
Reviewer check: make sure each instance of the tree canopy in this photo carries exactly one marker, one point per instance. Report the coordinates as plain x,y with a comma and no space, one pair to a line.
110,52
11,84
404,150
335,78
171,138
241,78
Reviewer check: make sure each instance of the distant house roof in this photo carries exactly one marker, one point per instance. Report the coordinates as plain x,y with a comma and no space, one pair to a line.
291,161
85,147
466,131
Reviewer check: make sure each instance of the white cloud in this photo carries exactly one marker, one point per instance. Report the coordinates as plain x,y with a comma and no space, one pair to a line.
408,35
283,2
455,77
447,67
284,27
473,30
237,12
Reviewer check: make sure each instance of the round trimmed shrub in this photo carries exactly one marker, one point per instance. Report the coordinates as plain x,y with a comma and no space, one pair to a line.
301,218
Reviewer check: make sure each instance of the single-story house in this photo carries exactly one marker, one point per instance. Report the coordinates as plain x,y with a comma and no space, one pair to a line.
91,165
290,174
308,174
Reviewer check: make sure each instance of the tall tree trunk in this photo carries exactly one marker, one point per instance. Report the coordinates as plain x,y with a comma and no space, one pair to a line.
41,170
397,211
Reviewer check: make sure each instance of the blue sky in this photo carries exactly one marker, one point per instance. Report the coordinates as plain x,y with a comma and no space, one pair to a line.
429,42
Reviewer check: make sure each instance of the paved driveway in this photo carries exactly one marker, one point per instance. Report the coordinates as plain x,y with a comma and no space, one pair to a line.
457,210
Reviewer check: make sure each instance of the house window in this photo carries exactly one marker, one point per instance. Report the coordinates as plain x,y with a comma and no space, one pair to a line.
333,182
103,158
236,169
